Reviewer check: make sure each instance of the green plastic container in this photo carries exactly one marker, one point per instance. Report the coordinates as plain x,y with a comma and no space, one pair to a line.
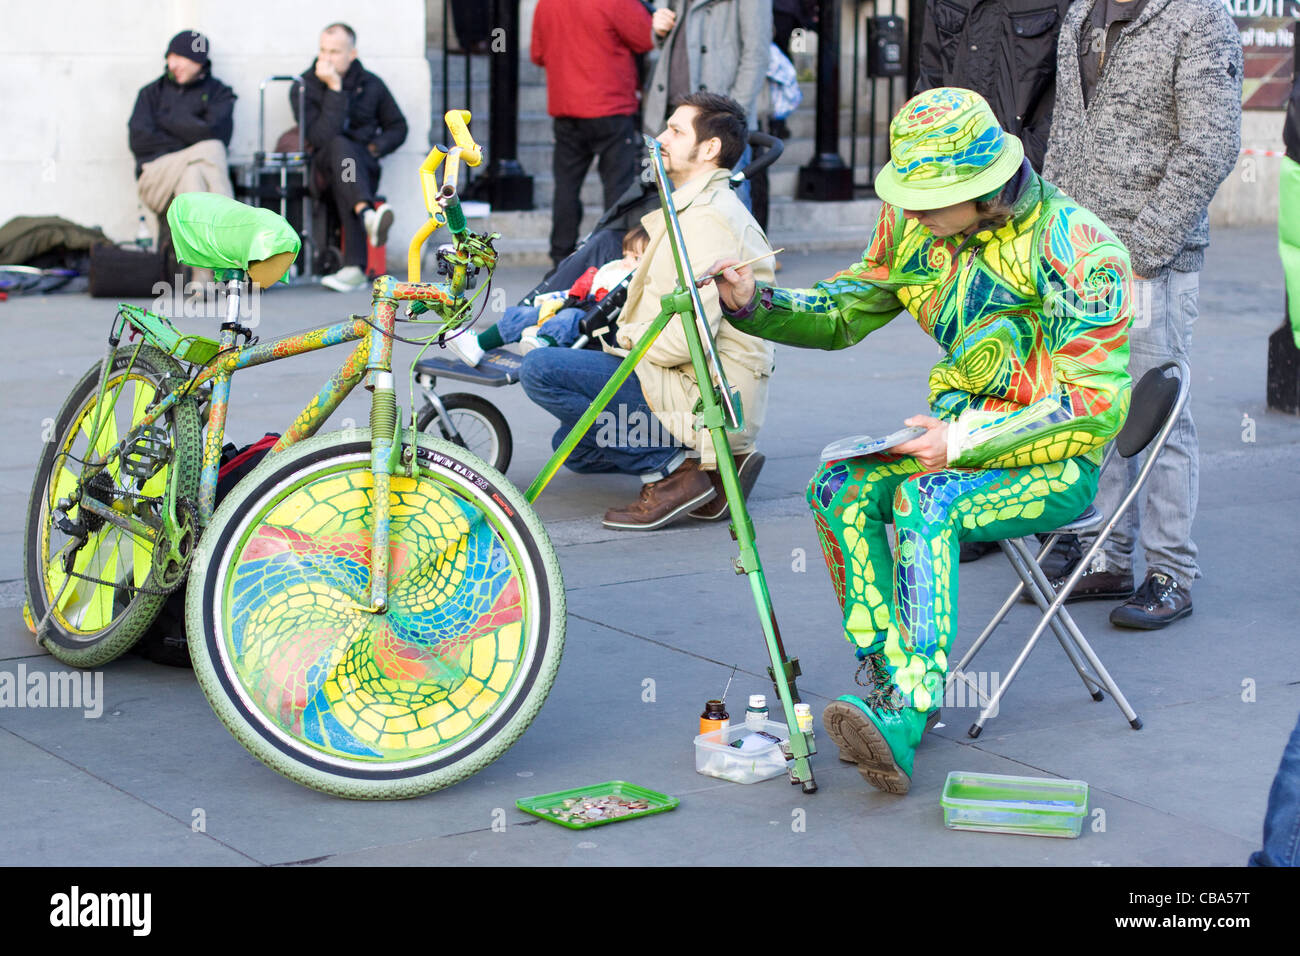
541,806
1036,806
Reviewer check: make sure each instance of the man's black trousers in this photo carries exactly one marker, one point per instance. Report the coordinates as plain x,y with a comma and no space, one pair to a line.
612,138
345,174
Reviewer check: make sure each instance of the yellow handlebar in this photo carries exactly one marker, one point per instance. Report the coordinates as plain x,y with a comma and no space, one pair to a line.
457,121
469,151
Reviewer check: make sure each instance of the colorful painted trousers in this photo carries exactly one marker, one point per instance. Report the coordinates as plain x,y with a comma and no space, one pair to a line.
905,605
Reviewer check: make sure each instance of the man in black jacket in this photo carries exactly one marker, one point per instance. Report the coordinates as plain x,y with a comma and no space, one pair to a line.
181,126
1004,50
351,121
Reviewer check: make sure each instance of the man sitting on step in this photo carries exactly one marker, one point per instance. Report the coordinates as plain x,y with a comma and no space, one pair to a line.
351,121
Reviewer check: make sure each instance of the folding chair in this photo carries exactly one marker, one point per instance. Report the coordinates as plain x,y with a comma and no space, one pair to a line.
1156,403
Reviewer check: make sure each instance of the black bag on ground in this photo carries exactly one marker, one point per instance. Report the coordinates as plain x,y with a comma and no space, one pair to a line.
122,272
164,642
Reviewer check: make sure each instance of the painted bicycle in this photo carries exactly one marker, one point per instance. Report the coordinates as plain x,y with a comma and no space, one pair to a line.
375,613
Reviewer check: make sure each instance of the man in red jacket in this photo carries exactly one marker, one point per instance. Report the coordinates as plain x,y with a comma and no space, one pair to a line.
588,49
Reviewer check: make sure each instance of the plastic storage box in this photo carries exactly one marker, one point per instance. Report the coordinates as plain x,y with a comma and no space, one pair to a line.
1037,806
752,761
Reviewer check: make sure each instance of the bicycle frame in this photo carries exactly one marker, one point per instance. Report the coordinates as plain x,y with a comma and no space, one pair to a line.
370,359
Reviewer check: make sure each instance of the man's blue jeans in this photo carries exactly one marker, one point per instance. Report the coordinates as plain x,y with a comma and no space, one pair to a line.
1282,820
627,437
1165,310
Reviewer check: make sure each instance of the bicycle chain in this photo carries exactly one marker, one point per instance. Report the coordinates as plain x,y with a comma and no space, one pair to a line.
141,589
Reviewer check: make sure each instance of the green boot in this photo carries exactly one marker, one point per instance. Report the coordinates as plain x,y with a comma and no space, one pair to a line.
879,737
878,682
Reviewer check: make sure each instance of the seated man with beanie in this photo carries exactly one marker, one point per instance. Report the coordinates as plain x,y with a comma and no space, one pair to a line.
181,126
351,121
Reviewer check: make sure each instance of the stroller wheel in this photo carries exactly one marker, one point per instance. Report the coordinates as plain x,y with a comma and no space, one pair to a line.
475,424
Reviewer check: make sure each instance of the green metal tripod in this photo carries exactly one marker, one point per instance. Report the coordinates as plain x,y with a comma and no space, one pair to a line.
718,411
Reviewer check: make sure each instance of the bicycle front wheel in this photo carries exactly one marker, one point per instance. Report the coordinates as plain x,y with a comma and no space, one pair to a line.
91,580
362,705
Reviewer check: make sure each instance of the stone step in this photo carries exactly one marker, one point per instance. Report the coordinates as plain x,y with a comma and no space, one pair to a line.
536,157
793,224
782,182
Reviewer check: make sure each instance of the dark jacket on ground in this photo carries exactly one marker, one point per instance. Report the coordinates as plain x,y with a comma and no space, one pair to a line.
168,117
363,111
1004,50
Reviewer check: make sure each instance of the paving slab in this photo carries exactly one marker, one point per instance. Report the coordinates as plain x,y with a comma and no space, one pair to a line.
659,623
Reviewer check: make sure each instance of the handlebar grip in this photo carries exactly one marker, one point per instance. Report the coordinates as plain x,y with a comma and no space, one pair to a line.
457,121
450,203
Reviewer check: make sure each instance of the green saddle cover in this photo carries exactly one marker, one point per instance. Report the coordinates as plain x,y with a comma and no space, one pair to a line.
212,232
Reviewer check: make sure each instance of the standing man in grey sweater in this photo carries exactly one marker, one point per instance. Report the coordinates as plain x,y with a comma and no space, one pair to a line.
1147,125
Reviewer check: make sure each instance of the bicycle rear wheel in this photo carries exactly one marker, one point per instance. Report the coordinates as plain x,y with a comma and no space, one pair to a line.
110,594
375,706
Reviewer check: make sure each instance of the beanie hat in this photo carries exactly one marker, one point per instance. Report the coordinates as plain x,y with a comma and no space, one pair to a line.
946,147
192,45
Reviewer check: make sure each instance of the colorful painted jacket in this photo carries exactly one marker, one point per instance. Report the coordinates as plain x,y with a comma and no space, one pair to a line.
1033,318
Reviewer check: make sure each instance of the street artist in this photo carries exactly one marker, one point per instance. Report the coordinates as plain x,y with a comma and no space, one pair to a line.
1029,297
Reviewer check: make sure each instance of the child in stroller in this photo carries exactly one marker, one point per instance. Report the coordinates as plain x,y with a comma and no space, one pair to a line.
553,318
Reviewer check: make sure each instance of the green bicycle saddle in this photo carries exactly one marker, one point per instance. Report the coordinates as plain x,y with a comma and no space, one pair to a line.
213,232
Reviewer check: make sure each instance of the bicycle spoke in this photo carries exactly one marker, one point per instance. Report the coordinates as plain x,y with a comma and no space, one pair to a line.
107,431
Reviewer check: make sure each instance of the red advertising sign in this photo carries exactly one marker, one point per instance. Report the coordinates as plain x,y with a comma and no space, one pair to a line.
1268,42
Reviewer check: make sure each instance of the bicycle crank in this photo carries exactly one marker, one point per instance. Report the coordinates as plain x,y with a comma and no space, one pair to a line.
172,556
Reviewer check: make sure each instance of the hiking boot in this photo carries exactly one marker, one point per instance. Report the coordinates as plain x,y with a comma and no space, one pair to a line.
875,670
1098,584
1157,603
347,279
377,222
716,508
1065,554
662,501
881,739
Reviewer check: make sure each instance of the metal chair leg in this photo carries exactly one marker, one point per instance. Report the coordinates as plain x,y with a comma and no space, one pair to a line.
1062,623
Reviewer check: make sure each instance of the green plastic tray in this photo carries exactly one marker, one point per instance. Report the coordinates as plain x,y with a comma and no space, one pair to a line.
995,803
541,806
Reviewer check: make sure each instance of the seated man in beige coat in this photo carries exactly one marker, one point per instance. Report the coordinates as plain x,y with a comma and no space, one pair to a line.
649,428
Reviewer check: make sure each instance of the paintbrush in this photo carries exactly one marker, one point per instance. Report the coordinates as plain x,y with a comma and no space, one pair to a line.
748,262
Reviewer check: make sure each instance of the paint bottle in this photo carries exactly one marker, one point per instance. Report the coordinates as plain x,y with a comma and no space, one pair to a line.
803,717
756,712
715,717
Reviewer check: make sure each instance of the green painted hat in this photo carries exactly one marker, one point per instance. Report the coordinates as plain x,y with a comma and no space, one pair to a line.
945,147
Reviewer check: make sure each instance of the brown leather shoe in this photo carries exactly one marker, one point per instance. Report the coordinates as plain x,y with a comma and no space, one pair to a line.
716,508
662,501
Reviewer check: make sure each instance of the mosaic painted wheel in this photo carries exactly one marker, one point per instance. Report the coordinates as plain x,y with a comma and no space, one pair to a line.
357,704
98,612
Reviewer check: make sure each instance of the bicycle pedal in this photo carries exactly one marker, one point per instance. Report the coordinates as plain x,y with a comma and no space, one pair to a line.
147,452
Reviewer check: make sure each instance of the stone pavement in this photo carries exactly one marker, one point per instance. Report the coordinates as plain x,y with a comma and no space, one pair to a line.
658,622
